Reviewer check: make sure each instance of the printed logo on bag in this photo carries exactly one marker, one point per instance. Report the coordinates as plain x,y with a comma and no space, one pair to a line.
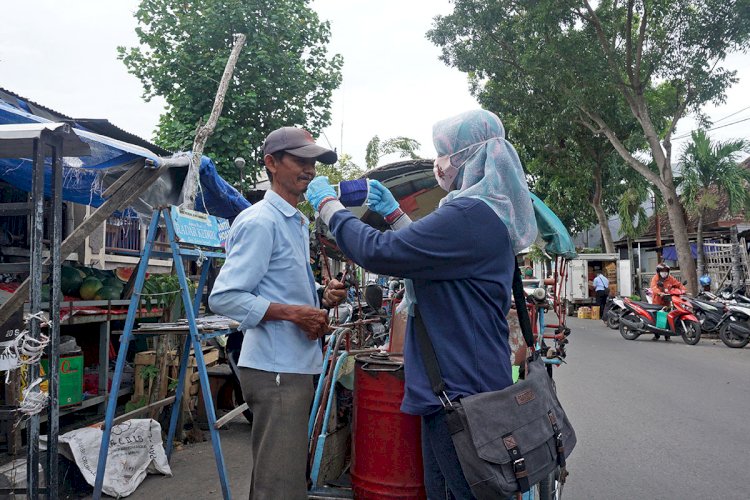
525,397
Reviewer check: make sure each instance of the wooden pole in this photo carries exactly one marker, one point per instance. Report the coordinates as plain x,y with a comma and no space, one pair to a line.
190,188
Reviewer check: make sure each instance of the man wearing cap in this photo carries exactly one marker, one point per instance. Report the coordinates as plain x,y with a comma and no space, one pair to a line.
267,285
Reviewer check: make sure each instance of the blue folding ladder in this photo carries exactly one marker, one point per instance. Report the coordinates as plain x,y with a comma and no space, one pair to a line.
193,339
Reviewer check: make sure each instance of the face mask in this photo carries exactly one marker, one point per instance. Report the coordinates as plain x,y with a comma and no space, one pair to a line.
663,275
445,172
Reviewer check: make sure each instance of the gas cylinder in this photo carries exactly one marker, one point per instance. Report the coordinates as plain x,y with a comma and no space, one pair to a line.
386,443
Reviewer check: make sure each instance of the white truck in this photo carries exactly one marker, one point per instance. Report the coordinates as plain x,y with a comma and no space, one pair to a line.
583,269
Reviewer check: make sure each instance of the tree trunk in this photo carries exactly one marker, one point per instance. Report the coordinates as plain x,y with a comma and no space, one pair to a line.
680,233
700,265
601,216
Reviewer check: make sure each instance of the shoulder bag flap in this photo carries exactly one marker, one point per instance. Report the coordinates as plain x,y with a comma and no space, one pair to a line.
520,410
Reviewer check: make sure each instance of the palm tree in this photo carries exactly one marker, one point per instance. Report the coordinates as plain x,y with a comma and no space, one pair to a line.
710,169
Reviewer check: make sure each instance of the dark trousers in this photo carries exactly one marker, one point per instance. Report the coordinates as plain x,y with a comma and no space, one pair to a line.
443,477
601,300
280,403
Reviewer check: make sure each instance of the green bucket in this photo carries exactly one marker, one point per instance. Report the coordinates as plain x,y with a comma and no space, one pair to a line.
661,319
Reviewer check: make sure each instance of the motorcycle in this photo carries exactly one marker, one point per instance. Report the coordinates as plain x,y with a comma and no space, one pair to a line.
641,317
613,310
711,312
735,332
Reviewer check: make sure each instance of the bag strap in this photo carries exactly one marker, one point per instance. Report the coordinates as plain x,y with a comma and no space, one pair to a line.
521,310
428,355
428,350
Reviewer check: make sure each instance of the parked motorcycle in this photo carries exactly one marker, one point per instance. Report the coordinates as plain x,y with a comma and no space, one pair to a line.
735,332
613,310
640,318
711,312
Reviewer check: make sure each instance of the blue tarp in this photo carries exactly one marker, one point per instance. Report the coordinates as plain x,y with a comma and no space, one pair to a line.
85,178
670,252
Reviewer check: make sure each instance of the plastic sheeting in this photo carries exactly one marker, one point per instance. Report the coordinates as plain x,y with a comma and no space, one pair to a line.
85,178
552,231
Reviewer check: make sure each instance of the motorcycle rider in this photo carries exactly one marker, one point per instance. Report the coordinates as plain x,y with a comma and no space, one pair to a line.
662,283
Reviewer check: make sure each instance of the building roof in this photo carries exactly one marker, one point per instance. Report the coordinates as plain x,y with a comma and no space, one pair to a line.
99,126
716,220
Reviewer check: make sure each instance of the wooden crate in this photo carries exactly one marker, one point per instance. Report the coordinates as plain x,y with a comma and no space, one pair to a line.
146,358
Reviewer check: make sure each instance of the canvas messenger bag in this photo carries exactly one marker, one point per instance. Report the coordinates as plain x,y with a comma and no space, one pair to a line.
511,439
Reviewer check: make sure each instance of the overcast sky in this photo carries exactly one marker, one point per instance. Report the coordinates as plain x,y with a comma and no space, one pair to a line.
62,54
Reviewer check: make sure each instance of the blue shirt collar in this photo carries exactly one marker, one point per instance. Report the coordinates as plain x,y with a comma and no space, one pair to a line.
282,205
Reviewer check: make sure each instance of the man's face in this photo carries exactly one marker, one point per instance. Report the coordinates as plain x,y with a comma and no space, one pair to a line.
291,175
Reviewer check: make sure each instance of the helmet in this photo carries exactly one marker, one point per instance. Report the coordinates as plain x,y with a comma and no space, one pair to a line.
705,280
662,267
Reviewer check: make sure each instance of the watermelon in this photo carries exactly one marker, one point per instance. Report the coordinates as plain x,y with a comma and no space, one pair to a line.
108,293
70,280
89,288
124,273
113,282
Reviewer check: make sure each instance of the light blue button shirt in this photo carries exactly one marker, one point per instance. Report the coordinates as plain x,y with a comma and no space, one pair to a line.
601,283
268,260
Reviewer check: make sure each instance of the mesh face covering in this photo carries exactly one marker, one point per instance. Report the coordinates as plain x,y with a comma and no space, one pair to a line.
353,193
492,171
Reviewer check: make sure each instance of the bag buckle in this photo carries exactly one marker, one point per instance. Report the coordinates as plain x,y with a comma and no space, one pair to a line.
519,465
445,401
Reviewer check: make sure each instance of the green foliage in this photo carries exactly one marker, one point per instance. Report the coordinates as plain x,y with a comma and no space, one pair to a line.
343,170
633,217
149,372
536,254
162,290
376,149
284,75
132,406
706,165
624,71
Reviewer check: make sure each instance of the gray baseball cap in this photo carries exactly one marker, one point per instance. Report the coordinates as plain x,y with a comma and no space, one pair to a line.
299,142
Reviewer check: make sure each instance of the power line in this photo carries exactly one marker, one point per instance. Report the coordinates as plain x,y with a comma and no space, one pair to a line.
712,129
735,113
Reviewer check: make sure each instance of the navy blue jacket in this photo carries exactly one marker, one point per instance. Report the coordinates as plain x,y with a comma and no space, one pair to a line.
461,261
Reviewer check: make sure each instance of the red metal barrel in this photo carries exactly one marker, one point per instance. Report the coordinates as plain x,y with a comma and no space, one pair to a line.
386,444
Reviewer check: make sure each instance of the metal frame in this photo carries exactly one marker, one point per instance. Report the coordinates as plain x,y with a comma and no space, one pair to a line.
193,339
40,143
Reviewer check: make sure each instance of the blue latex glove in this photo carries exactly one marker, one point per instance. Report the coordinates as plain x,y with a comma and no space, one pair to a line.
380,199
319,189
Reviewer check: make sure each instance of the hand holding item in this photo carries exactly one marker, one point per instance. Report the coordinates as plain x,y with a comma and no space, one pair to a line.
311,320
334,293
318,190
380,199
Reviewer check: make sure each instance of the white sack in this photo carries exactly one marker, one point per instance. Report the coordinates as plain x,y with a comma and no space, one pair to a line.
135,449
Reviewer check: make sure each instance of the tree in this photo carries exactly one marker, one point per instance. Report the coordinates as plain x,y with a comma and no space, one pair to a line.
403,145
659,58
710,170
284,76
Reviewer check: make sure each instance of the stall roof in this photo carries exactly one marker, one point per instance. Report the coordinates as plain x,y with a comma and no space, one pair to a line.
18,140
97,125
86,177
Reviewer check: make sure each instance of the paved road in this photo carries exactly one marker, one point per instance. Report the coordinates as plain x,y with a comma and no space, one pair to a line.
655,420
